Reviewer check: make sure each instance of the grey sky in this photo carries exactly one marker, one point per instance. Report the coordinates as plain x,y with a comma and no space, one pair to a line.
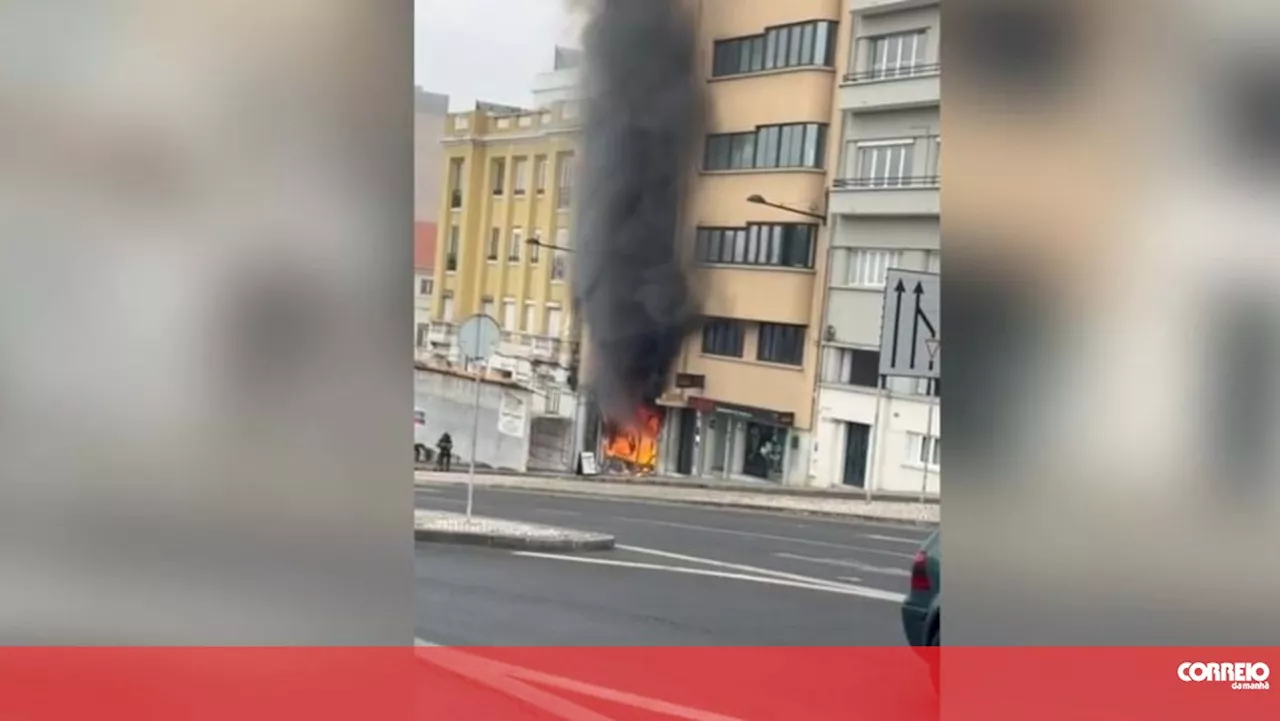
486,49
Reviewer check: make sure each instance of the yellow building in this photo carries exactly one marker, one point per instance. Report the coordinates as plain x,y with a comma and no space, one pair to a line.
508,180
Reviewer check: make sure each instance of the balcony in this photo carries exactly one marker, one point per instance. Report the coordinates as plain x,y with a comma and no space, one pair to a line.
455,199
892,196
916,86
451,263
442,334
886,6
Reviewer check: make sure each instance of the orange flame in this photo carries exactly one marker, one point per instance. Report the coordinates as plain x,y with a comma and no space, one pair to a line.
635,444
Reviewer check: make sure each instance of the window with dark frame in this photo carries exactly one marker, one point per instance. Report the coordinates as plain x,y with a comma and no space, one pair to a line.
723,337
808,44
794,145
782,245
780,343
535,248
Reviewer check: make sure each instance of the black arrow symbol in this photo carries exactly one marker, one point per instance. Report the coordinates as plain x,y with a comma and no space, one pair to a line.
915,325
897,322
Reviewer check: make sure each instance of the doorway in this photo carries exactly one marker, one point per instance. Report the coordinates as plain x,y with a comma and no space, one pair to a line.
764,451
857,441
684,450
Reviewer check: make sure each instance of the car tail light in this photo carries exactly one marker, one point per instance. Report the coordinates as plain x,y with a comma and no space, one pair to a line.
919,573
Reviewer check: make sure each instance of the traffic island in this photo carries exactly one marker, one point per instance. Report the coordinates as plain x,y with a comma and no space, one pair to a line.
446,527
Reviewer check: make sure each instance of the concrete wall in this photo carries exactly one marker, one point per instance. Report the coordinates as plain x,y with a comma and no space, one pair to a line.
448,402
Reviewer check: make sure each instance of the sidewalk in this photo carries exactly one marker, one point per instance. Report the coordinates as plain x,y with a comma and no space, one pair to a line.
733,495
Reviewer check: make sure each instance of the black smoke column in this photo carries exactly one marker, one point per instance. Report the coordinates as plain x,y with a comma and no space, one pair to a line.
642,122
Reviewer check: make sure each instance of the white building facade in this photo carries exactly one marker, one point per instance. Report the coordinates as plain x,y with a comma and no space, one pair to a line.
874,433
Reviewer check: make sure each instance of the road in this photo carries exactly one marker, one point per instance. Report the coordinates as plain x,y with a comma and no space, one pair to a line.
680,576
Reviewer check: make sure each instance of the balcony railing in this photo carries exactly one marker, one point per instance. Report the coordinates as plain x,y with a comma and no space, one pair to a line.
451,262
922,181
564,198
455,199
908,71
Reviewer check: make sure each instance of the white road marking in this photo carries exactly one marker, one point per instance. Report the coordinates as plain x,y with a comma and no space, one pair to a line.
895,539
817,584
507,678
865,567
764,536
867,591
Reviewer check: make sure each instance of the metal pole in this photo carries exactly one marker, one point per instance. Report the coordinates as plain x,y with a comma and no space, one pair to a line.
874,440
926,446
475,431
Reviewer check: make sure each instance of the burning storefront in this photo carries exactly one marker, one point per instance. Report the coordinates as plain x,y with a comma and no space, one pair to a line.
633,448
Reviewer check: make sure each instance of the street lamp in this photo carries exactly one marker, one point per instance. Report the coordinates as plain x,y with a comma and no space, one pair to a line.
758,199
549,246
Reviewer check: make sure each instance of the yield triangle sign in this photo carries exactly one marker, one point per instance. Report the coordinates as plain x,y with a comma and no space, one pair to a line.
933,345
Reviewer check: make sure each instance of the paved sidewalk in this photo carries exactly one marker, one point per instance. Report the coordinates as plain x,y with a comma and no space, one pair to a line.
446,527
844,506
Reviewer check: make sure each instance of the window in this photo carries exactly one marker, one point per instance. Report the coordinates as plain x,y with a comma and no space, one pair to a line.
495,238
796,145
425,285
535,249
553,321
924,450
451,252
885,164
540,175
424,332
851,367
801,45
499,175
455,182
559,259
446,308
868,268
520,176
513,248
722,336
530,317
486,307
781,344
564,180
509,315
928,387
897,55
788,245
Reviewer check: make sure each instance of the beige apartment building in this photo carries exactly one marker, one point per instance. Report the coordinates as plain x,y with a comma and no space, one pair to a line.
742,396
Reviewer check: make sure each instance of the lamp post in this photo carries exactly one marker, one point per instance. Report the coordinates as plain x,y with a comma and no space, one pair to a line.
573,365
757,199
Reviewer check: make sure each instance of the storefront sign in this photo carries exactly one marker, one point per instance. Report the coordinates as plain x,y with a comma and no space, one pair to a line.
747,413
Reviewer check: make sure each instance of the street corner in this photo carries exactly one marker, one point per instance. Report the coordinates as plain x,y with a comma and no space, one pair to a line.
458,529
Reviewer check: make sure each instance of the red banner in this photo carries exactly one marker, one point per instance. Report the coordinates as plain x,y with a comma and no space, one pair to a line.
638,684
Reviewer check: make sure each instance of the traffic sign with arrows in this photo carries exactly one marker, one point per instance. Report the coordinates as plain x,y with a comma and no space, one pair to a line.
910,337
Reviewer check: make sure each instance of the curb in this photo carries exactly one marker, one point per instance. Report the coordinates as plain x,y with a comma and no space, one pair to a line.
584,493
665,482
515,543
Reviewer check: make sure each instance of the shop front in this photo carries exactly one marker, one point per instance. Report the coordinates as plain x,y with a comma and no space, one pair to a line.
744,442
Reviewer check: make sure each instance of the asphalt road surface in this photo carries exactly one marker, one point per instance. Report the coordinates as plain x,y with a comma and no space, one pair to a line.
680,576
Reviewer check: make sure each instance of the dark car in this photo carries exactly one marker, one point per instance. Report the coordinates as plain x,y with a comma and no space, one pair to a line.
922,609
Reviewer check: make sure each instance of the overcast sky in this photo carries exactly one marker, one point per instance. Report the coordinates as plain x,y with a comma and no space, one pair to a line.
486,49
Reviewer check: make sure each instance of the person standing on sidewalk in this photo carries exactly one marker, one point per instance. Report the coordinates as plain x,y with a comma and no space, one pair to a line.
444,452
